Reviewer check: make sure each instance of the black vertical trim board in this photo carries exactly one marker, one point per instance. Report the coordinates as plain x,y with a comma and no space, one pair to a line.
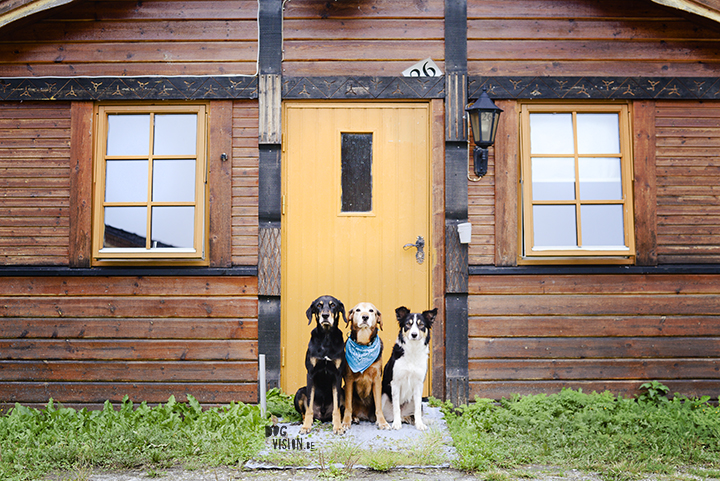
269,337
456,349
456,200
269,202
456,36
456,191
269,191
270,41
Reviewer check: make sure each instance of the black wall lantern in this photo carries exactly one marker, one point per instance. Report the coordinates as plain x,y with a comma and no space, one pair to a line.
484,116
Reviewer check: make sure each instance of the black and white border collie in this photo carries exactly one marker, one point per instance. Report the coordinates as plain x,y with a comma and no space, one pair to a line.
405,371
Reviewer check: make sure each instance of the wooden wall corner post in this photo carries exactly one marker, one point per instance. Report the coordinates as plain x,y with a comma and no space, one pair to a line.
506,185
220,183
456,385
437,132
81,180
645,185
270,189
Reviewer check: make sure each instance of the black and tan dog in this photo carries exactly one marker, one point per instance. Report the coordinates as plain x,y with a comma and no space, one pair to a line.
363,374
322,398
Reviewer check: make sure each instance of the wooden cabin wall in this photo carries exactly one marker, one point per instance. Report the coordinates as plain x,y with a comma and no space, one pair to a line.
84,340
587,38
537,334
130,38
481,214
245,181
35,182
688,175
361,37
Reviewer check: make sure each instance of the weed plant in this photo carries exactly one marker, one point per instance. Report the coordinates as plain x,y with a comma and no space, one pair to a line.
35,442
617,437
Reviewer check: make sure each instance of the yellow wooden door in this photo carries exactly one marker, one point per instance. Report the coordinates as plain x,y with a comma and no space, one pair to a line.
344,235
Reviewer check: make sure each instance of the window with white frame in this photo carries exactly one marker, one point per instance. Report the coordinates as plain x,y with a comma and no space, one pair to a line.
150,182
576,182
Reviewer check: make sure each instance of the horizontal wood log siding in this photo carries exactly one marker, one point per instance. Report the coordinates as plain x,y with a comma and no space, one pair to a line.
245,183
130,38
481,213
688,175
533,334
35,182
84,340
369,38
587,38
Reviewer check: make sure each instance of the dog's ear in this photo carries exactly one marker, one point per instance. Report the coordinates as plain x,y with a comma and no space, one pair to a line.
378,316
309,312
341,310
401,312
430,316
351,314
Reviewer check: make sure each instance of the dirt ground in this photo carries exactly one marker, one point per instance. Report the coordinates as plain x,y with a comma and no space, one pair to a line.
537,473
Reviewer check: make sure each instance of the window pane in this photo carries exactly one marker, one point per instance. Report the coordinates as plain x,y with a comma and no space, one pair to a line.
126,181
174,180
600,179
125,227
175,134
602,226
553,179
598,134
173,227
128,135
551,134
356,177
554,226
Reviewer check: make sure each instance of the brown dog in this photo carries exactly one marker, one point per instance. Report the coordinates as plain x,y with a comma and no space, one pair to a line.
363,373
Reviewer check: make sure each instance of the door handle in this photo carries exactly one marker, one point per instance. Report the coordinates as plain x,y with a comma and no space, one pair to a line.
420,246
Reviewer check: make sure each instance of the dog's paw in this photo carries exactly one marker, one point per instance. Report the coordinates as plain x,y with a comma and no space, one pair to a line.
344,427
304,430
420,425
397,424
383,425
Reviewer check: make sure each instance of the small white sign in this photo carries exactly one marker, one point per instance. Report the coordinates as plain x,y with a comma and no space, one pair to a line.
424,68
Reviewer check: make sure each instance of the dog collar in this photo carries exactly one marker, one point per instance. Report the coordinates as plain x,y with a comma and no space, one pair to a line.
360,357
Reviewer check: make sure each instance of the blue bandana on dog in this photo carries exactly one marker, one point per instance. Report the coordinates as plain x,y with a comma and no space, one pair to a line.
360,357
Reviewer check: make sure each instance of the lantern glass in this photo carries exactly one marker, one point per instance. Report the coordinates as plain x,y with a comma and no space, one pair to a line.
484,116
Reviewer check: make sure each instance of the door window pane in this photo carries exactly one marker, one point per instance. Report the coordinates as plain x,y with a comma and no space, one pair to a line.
356,175
551,134
128,135
175,134
126,181
174,180
553,179
554,226
598,134
600,179
172,227
602,226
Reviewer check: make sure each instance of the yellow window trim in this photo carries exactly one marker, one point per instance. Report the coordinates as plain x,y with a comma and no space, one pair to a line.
579,255
197,255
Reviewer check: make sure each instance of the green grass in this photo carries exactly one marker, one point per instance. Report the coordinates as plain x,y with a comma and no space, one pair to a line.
617,437
620,438
36,442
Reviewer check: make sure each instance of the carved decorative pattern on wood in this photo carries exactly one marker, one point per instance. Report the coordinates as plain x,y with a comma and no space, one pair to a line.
363,87
129,88
199,88
631,88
